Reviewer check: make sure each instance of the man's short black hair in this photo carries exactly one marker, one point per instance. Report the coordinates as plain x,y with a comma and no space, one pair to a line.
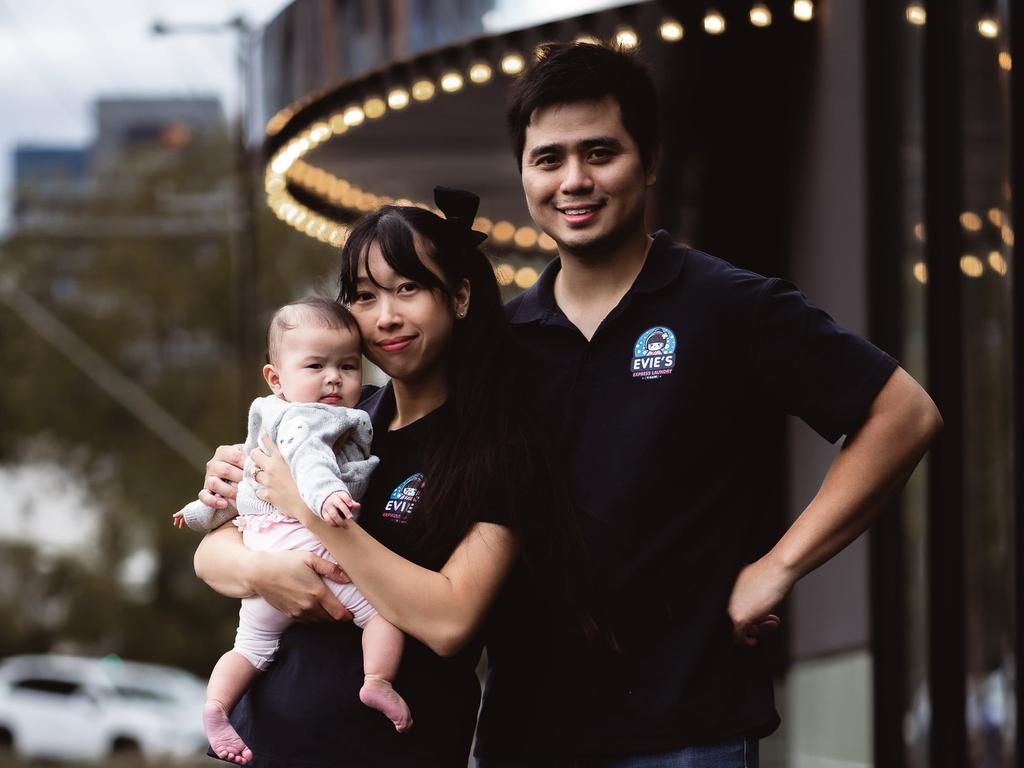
569,73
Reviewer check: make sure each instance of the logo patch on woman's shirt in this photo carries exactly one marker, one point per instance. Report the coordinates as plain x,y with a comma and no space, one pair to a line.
404,498
654,354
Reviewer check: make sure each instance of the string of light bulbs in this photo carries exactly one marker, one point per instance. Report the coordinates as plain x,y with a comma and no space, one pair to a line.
971,265
287,167
973,224
988,26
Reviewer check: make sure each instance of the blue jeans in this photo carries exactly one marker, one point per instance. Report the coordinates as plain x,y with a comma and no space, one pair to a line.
735,753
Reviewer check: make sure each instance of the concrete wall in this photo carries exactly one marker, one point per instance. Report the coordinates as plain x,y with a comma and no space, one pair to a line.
826,698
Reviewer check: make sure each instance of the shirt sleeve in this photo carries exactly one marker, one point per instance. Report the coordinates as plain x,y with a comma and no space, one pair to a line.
501,494
811,366
522,488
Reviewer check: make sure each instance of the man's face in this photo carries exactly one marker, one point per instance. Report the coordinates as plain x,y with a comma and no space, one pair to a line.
583,176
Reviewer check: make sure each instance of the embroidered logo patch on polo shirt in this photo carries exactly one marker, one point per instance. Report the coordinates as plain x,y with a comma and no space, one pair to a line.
403,499
654,354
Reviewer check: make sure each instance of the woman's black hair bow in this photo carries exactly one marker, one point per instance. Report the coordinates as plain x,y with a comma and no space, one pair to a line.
459,208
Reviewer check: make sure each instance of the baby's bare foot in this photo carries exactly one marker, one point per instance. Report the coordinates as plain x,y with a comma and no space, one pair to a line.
224,740
378,694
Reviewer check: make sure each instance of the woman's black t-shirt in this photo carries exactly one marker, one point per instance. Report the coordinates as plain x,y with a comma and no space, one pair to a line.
305,710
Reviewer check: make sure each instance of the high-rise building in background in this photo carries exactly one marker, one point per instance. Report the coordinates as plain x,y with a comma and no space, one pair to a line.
102,189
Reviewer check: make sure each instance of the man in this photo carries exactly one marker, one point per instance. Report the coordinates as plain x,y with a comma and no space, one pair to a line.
658,446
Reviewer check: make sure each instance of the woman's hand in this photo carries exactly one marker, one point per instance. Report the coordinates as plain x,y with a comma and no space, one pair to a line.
291,582
279,486
223,473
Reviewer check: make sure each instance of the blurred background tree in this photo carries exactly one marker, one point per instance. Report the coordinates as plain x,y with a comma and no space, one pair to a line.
129,274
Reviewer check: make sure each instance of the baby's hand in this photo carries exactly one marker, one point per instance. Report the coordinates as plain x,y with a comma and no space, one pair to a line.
338,507
179,519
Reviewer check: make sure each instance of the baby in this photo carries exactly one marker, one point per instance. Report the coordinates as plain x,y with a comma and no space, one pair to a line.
315,372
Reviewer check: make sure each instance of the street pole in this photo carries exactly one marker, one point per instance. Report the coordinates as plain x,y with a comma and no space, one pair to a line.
247,305
244,260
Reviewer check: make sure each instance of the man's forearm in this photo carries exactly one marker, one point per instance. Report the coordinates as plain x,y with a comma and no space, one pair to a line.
870,470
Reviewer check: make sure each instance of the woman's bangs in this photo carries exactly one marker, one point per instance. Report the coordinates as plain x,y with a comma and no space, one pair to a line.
397,245
352,255
394,236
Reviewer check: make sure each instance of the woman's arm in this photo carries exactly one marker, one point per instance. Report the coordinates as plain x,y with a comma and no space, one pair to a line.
220,560
440,609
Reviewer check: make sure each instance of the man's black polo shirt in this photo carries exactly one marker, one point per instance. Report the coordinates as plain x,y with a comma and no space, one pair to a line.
659,420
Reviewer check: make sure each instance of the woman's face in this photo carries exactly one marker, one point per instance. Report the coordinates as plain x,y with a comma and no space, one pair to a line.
405,326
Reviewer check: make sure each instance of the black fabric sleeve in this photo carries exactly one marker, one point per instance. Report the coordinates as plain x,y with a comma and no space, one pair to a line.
521,486
367,391
500,498
495,514
811,366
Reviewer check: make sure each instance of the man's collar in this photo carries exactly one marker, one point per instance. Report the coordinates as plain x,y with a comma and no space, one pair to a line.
663,263
538,301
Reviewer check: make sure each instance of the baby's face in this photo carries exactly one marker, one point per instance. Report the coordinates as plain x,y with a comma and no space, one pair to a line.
318,365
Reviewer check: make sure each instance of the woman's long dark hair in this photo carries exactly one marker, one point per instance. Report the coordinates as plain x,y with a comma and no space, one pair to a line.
485,453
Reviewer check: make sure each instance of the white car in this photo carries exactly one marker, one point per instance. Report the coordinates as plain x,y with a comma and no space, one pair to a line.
73,708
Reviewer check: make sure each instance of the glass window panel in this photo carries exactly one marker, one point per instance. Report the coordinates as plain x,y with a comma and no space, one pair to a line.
988,396
914,276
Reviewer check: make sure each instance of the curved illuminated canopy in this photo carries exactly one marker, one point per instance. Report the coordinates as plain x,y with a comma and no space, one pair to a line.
337,154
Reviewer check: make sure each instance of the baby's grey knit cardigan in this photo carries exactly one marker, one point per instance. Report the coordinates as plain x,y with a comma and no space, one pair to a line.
326,446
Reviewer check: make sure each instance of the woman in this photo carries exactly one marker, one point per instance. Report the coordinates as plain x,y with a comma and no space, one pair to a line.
458,496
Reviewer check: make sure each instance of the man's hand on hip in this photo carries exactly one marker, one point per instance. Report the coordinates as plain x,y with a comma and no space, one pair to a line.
759,588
